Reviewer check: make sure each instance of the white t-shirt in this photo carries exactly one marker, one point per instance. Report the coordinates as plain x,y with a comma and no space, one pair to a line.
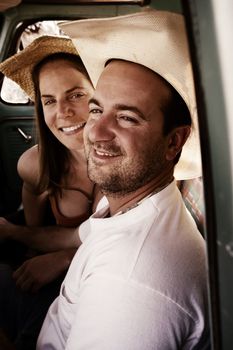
138,282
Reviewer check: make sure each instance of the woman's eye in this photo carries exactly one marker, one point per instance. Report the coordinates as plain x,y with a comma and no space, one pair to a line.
76,95
48,102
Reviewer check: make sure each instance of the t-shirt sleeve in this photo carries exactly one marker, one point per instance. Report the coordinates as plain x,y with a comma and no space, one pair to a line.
116,314
84,230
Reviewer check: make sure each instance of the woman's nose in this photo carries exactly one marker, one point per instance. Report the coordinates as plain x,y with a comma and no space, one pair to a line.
64,110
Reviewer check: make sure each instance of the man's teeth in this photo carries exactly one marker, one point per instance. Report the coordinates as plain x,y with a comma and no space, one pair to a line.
72,128
104,154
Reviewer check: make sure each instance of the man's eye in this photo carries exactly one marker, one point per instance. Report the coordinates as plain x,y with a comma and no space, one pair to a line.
128,119
94,111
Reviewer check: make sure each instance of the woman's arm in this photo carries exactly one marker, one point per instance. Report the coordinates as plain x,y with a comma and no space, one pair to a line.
44,239
5,343
34,235
34,202
37,272
34,205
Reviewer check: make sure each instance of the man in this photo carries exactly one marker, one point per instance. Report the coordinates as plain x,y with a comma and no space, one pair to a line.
138,281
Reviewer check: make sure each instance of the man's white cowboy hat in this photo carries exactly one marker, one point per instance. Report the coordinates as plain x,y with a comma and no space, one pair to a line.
155,39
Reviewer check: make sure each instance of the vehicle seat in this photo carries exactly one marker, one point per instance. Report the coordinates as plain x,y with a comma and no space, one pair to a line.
193,196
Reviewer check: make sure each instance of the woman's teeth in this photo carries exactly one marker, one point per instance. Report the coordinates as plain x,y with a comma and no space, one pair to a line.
72,128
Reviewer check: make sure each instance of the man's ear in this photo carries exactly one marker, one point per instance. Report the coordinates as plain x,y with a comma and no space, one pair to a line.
176,140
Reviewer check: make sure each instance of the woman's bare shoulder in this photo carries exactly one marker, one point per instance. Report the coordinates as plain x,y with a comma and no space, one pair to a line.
28,165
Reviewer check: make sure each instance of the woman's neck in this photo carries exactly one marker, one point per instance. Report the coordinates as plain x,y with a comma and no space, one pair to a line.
77,176
77,157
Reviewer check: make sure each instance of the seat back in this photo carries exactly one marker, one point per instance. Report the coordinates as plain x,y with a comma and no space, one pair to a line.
193,196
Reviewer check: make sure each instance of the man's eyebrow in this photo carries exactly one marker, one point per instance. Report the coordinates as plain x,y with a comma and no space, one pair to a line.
95,101
121,107
133,109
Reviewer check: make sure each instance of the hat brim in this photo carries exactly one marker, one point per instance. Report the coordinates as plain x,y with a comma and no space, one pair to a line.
19,67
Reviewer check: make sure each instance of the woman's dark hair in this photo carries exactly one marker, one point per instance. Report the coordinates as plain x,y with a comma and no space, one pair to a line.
53,155
175,112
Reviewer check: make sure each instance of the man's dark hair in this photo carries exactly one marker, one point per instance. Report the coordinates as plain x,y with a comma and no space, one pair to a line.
176,113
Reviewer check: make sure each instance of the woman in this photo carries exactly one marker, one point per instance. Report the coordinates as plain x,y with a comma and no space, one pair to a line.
54,175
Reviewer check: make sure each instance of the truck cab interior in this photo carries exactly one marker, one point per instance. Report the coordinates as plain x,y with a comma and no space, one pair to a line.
209,197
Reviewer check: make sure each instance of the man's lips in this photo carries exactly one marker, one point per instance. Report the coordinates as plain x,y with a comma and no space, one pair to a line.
103,153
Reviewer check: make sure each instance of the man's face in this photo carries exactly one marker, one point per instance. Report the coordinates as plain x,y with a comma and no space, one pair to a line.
123,137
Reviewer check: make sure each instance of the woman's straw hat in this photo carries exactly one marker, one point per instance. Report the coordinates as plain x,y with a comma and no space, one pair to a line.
20,66
155,39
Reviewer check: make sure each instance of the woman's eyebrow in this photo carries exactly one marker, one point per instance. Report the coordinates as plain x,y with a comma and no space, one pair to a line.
66,92
74,88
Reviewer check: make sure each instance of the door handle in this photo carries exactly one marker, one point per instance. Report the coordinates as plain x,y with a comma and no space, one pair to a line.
27,138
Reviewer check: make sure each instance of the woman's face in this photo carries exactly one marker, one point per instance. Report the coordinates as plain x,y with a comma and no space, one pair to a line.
65,93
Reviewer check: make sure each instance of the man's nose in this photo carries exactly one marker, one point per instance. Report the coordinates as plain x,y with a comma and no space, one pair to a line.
101,129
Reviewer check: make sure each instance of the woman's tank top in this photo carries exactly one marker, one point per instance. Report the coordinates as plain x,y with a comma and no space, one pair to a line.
65,221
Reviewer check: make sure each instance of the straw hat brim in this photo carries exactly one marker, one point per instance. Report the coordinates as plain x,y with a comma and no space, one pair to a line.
19,67
155,39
